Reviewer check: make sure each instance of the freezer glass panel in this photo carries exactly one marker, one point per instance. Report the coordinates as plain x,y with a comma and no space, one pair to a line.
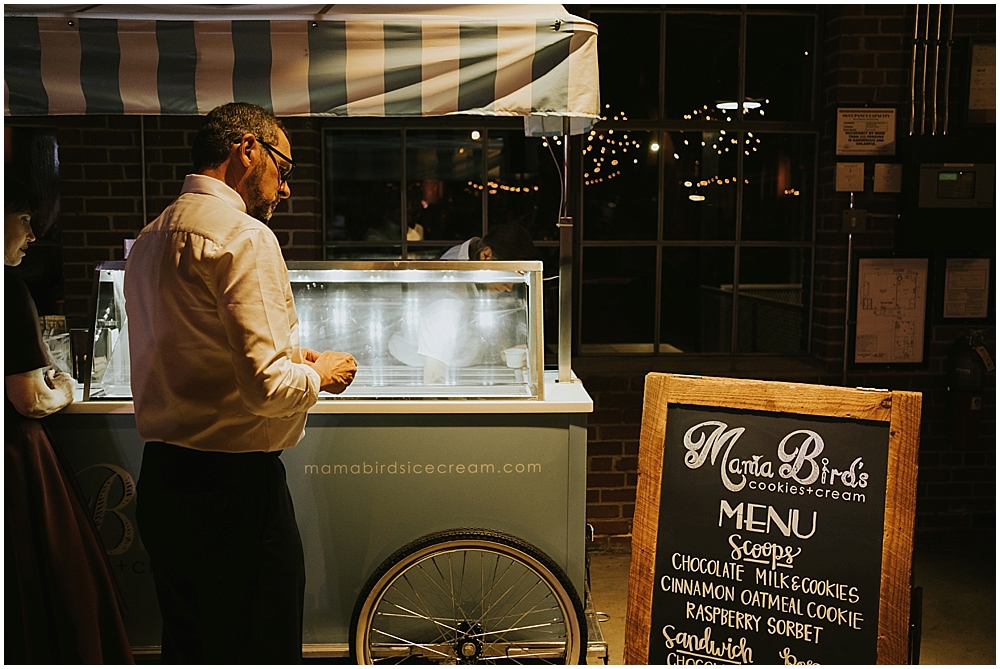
423,330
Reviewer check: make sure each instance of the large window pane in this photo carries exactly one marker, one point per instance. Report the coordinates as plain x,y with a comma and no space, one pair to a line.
702,68
697,305
363,173
444,184
772,305
780,61
700,190
524,184
778,195
619,297
620,177
629,53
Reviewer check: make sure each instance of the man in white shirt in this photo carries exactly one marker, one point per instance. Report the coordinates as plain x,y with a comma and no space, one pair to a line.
221,387
507,241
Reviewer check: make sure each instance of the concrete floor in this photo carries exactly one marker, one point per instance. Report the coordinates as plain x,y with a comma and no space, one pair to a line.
959,603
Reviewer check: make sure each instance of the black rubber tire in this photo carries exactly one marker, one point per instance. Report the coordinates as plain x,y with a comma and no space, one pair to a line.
465,539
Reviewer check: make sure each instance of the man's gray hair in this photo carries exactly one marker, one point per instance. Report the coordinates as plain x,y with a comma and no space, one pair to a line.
225,126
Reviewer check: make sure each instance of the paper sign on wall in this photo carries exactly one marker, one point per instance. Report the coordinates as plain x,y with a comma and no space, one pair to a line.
866,132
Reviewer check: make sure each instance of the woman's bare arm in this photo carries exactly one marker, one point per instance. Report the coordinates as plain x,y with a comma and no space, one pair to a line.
40,392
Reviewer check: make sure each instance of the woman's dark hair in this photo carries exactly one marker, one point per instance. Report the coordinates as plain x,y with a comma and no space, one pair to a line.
18,197
510,241
225,125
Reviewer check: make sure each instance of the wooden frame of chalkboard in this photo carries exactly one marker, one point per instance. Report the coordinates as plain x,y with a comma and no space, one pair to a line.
825,582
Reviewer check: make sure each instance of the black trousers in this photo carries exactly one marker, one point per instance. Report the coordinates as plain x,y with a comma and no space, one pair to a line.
225,555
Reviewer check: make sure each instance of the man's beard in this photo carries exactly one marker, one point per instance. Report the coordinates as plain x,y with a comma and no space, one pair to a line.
260,207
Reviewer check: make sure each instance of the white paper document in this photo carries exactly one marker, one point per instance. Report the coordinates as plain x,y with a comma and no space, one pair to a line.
892,301
966,287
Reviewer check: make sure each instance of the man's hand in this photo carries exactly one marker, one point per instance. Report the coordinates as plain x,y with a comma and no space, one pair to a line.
336,370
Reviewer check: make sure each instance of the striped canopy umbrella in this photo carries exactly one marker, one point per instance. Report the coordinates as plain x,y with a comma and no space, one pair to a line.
535,61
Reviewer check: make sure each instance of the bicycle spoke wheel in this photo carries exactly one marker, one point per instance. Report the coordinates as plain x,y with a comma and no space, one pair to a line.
468,597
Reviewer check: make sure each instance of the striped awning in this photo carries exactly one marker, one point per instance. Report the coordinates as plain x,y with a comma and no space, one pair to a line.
535,61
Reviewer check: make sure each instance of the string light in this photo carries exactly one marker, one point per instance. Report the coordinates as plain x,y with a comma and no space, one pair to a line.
496,186
604,149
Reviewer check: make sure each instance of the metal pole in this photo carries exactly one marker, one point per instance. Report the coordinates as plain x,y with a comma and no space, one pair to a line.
937,60
565,270
923,73
847,300
947,69
913,72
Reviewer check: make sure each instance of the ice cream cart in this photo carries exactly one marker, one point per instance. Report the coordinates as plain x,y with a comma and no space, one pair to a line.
442,500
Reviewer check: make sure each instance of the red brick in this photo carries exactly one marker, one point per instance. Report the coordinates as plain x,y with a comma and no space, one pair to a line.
109,239
106,138
605,480
623,432
627,464
599,464
71,222
97,172
177,156
110,204
620,495
603,511
84,189
604,448
606,527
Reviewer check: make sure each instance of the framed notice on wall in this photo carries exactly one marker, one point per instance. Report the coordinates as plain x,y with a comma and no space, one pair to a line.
866,132
891,310
773,524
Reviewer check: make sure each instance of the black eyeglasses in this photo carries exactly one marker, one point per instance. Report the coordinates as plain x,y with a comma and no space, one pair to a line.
283,174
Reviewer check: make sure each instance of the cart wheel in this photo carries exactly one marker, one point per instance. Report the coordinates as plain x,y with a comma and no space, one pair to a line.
468,596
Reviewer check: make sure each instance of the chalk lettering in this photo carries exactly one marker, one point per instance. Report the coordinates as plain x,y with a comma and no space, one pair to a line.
761,518
834,614
687,586
799,456
738,620
772,601
773,554
807,586
787,657
705,645
700,565
698,451
793,629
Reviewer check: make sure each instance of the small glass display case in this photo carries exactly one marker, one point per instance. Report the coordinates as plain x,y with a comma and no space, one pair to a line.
418,329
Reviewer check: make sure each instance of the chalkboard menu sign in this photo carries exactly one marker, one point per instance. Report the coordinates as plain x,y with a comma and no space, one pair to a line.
774,524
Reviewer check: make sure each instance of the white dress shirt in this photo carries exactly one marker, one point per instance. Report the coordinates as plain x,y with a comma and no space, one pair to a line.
459,252
213,333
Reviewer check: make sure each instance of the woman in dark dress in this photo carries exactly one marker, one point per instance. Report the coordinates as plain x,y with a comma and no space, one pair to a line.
61,604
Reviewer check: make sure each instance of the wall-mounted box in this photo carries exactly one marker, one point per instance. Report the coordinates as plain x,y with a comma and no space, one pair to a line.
957,185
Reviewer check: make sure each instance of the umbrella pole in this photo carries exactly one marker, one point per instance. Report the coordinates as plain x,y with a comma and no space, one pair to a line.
565,269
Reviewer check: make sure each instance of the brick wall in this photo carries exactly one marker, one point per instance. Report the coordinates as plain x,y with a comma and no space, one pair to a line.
101,190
